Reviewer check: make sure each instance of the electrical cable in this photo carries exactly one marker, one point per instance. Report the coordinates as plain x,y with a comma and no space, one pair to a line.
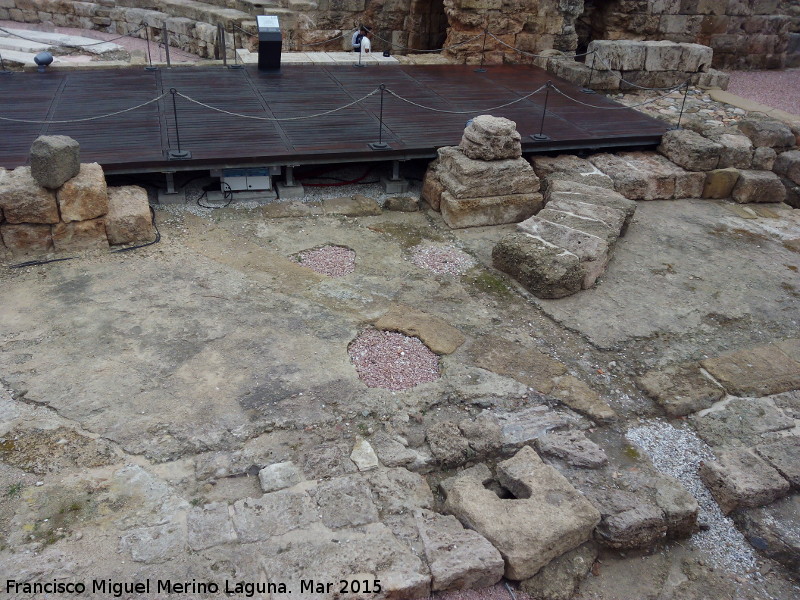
227,193
35,263
338,182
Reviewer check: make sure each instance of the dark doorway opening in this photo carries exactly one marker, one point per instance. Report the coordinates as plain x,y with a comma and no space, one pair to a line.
426,25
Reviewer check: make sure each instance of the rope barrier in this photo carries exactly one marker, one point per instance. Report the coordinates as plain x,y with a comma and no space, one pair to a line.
83,120
323,42
234,114
650,101
11,33
507,45
402,47
465,112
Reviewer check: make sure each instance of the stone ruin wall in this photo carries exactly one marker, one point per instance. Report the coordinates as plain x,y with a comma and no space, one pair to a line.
744,34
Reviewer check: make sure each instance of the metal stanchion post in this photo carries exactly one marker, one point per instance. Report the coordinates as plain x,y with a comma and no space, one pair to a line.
180,153
683,104
480,68
380,144
540,137
588,89
235,64
221,44
150,66
165,41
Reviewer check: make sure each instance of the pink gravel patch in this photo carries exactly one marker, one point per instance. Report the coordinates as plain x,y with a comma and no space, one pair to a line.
333,261
778,89
392,360
442,260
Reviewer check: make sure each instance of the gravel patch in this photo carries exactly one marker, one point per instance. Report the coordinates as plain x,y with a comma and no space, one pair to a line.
442,260
679,452
392,360
778,89
494,592
333,261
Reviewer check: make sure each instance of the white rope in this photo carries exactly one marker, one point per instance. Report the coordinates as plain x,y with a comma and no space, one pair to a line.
74,45
83,120
465,112
402,47
537,55
338,37
234,114
650,101
630,83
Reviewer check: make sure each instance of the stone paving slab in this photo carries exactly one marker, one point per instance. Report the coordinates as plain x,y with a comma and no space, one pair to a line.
759,371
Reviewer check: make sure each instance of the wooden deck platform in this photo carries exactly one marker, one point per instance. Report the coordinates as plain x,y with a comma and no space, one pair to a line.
140,140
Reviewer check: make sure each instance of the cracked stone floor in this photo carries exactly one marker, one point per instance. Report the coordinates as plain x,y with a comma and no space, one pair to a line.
142,392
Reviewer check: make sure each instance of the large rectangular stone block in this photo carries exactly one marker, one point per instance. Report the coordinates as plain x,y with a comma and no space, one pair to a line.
80,235
84,196
22,239
25,201
758,186
619,55
464,177
129,220
489,210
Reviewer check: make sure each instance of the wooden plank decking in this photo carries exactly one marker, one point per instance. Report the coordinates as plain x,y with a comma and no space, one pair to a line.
139,140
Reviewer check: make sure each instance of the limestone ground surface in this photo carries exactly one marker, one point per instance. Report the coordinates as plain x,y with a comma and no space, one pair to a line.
143,392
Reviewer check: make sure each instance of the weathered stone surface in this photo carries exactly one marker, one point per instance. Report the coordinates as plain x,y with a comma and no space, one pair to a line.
80,235
345,502
637,176
391,452
23,200
741,479
491,138
628,521
581,398
85,196
767,132
559,579
435,333
592,251
401,204
758,186
612,217
364,456
525,426
458,558
737,150
741,422
690,150
792,192
544,269
488,210
464,177
351,206
784,456
128,220
484,433
22,239
673,56
432,188
153,545
618,55
679,506
279,476
447,444
764,158
719,183
574,448
209,525
787,164
328,460
758,371
568,167
681,389
54,160
772,530
547,518
256,519
567,190
399,491
587,225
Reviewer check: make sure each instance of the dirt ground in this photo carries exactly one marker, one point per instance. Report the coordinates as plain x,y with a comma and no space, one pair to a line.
215,342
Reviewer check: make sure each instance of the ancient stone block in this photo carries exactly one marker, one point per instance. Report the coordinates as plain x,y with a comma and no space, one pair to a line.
432,188
80,235
574,448
690,150
458,558
712,79
741,479
612,217
581,398
591,250
401,204
671,56
568,190
559,579
758,186
491,138
784,456
767,132
363,455
773,530
345,502
23,200
680,389
544,269
719,183
128,220
464,177
628,521
351,206
568,167
593,227
620,55
278,476
399,491
488,210
256,519
547,517
736,151
447,444
24,238
209,526
54,160
84,196
755,372
787,164
484,433
437,334
153,545
764,158
635,177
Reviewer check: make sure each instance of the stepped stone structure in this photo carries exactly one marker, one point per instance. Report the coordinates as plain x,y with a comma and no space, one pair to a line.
754,34
58,204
